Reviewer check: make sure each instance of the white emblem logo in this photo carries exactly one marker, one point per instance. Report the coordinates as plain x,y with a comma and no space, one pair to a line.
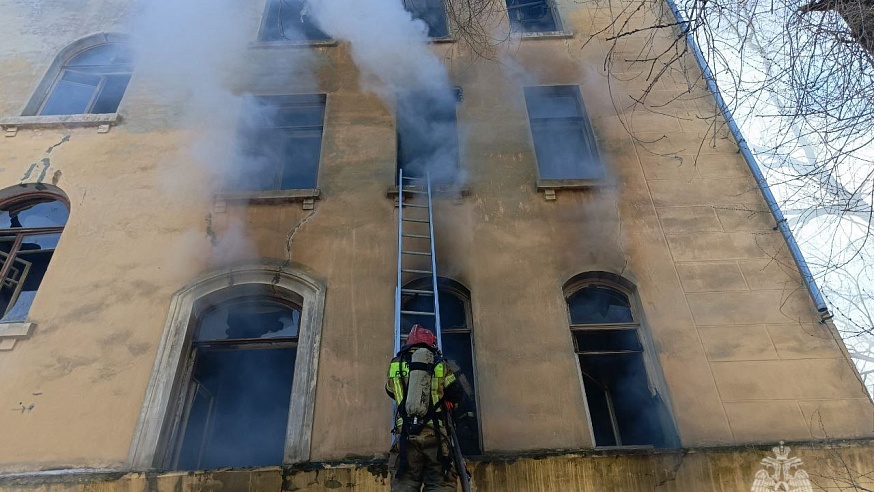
781,474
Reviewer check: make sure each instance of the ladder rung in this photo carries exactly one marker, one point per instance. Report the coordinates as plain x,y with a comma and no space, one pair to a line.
414,206
421,236
413,178
418,292
420,253
410,270
421,221
417,313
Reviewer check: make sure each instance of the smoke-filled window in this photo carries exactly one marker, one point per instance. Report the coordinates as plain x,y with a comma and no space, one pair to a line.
532,16
432,12
30,229
456,331
624,405
92,81
427,133
289,20
281,142
563,139
236,397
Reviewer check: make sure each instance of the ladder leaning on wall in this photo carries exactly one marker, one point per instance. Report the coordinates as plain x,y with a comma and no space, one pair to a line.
415,251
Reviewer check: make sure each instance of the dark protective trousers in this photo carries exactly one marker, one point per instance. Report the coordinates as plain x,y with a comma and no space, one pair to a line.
424,466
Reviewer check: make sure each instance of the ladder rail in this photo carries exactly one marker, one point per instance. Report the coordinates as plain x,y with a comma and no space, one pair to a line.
397,333
434,267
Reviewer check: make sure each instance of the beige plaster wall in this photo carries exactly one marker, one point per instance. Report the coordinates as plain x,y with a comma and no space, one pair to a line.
736,336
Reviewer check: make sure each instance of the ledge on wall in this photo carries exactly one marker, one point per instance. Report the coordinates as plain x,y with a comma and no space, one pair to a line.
307,196
453,191
12,332
11,124
548,35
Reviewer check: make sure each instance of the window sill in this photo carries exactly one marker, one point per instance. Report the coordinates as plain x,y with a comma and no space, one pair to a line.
13,331
456,192
308,196
293,44
570,184
441,40
548,35
12,124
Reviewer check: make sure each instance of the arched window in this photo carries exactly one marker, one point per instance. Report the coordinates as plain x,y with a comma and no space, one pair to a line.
234,407
30,227
233,384
625,403
456,330
87,78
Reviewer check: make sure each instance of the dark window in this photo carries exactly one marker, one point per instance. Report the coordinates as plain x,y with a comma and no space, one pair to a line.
289,20
532,16
281,138
236,402
455,328
624,408
92,81
29,232
563,139
432,13
428,135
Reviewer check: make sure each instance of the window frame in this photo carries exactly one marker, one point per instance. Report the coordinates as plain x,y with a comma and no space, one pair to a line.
179,418
462,293
588,134
654,377
153,438
261,41
246,134
556,18
49,81
459,98
20,233
445,13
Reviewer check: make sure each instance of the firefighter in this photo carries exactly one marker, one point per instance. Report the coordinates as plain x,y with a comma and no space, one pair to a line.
425,390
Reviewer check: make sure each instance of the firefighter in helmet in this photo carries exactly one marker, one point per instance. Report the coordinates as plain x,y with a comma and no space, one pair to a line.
425,390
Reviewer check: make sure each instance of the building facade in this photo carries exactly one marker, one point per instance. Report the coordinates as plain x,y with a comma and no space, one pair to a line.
200,218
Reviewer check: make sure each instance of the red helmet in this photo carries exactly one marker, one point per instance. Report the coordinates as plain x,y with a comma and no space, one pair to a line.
420,334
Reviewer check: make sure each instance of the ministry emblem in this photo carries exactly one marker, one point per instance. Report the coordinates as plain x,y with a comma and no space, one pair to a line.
781,473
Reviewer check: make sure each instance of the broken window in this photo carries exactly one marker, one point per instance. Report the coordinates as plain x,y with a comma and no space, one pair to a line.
455,328
281,139
532,16
30,229
432,13
427,133
236,398
563,139
624,406
91,82
290,20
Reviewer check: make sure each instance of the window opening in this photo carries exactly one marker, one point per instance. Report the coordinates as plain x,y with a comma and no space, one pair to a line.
532,16
290,20
427,135
29,233
432,12
91,82
457,346
624,408
236,404
563,139
281,142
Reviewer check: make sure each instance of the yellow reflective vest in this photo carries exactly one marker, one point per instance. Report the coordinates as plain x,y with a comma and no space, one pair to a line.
398,377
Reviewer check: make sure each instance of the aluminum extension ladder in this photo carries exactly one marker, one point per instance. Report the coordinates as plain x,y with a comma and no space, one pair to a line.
415,250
